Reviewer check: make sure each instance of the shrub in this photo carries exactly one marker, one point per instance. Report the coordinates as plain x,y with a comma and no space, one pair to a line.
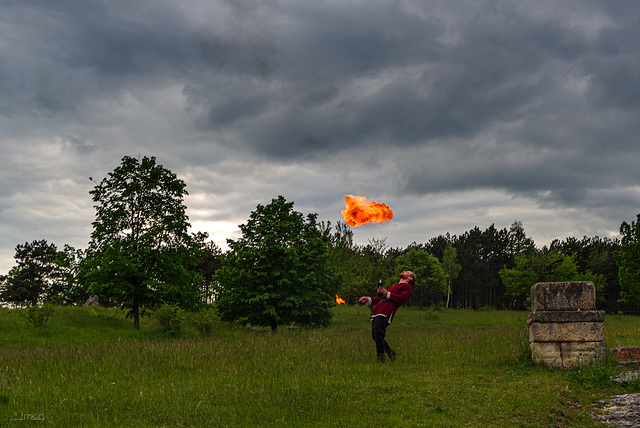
204,320
38,316
170,318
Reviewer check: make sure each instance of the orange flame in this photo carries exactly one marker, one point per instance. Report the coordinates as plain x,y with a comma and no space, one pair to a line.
339,300
360,211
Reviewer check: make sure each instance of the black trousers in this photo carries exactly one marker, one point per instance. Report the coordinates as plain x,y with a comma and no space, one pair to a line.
378,332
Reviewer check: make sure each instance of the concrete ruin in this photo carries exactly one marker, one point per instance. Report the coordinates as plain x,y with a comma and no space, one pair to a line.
565,329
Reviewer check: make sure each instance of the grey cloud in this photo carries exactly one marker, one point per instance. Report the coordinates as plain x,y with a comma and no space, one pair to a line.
76,145
498,66
534,102
59,54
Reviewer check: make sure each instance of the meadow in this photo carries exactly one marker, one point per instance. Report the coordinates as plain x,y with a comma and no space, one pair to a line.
90,367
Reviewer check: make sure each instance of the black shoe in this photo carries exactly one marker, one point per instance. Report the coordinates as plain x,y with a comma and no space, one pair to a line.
392,355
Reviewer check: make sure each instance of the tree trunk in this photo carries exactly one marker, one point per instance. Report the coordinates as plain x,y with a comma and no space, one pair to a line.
136,314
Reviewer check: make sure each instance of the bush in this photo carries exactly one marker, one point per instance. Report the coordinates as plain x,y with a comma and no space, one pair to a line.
431,315
205,320
170,318
38,316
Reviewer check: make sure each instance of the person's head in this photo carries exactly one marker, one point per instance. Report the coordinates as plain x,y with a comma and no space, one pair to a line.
409,276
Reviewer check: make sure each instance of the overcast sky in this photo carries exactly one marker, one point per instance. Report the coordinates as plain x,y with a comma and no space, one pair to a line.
455,113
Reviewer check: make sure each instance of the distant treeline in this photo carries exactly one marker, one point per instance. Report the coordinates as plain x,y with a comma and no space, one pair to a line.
287,267
491,268
495,267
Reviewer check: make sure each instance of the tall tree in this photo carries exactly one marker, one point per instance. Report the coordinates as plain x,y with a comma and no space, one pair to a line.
495,255
481,255
36,276
451,268
628,259
469,249
140,252
437,245
209,261
279,271
519,242
69,262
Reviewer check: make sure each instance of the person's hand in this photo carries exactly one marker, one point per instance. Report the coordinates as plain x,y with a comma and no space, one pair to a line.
382,290
363,299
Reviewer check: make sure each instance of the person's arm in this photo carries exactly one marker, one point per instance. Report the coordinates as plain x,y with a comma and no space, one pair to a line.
371,300
365,299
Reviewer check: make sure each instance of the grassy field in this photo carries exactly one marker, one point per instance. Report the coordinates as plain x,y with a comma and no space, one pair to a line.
89,367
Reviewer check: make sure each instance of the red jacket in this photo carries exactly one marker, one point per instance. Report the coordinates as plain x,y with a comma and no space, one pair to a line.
397,295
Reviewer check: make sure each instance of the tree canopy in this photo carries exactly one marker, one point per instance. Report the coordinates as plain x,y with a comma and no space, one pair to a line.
140,252
36,277
628,259
278,272
430,277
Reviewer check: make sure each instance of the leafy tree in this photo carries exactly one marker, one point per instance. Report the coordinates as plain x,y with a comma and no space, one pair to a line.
343,255
519,242
494,256
596,256
36,277
374,264
451,267
376,252
140,253
69,262
628,259
599,282
541,266
279,271
360,267
430,277
481,255
209,257
436,246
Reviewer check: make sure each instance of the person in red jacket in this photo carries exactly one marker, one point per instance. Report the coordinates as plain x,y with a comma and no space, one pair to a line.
386,306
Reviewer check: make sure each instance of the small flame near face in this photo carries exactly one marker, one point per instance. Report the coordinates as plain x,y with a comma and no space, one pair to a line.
360,211
340,300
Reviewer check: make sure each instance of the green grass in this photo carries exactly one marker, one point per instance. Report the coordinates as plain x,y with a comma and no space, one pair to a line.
455,368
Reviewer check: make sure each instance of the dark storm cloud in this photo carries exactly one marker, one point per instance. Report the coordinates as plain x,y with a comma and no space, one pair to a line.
307,79
56,55
317,78
559,102
481,106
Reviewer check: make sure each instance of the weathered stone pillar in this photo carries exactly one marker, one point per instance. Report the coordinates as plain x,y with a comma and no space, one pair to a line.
565,330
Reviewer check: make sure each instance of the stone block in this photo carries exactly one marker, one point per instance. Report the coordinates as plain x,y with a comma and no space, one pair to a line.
581,353
563,296
548,353
568,354
566,316
626,354
566,332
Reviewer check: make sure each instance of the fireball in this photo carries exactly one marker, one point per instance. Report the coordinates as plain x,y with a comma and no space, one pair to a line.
360,211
